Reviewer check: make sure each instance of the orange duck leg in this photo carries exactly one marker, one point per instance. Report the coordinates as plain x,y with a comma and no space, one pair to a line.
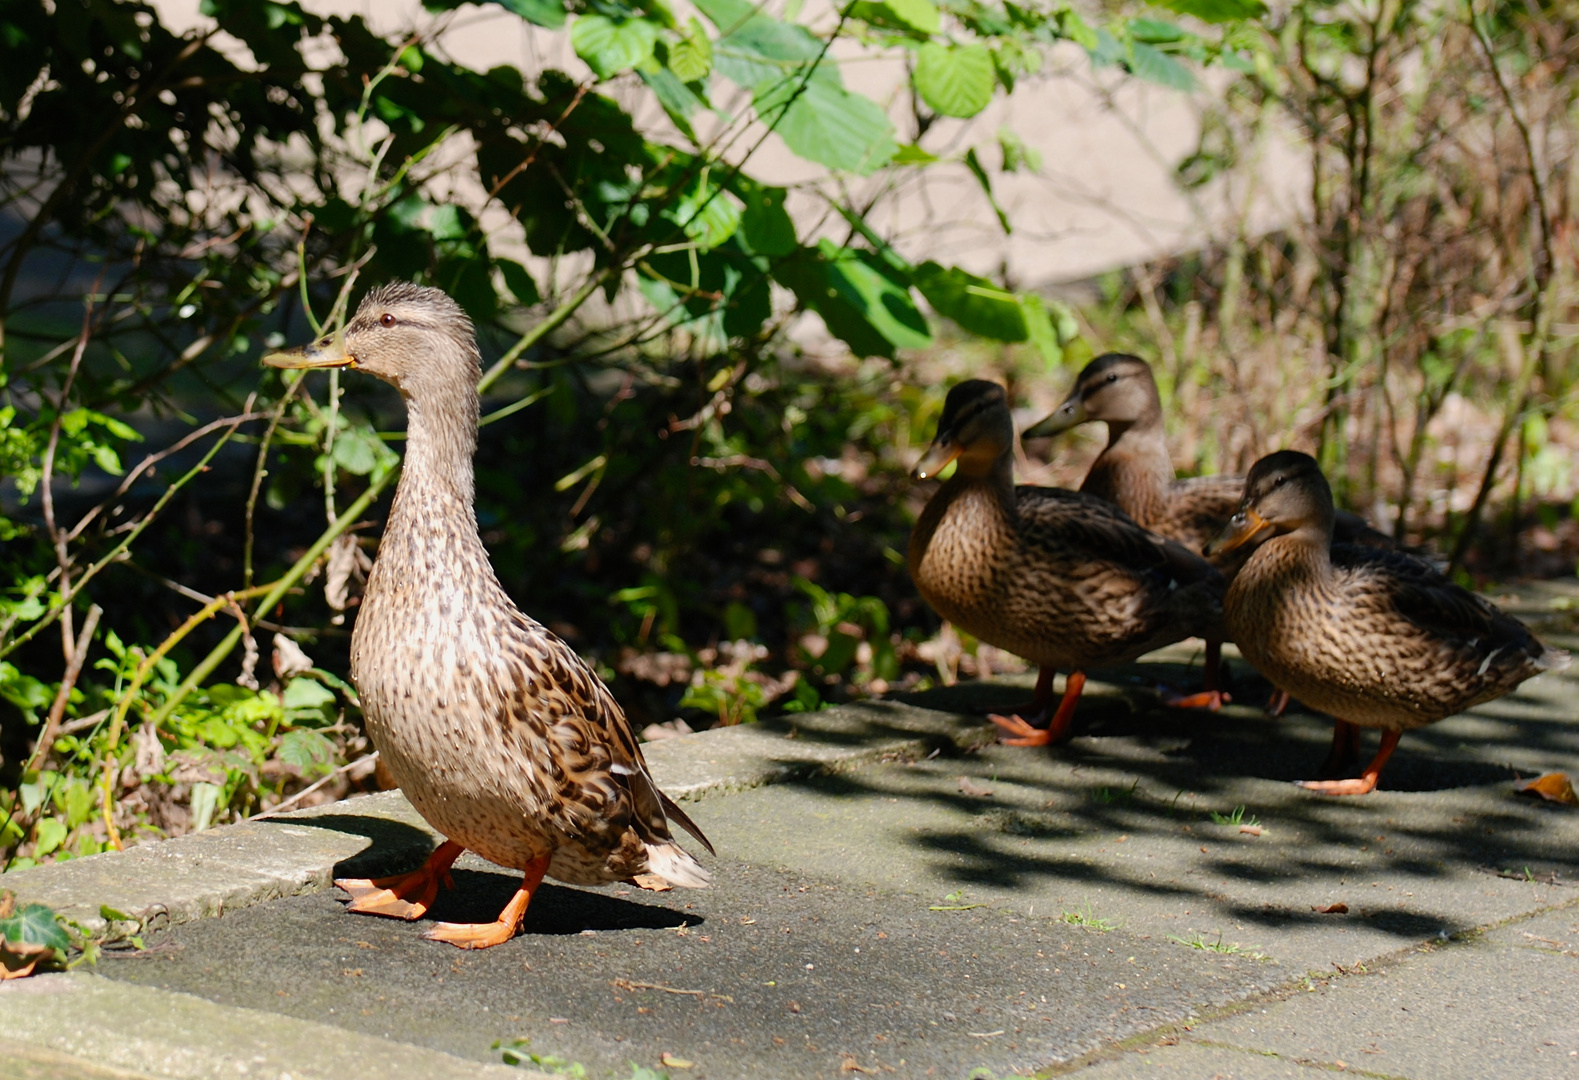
1365,783
1210,698
403,896
1018,732
487,935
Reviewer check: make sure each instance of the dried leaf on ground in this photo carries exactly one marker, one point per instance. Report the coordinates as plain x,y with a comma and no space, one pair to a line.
973,789
1331,909
668,1060
1553,787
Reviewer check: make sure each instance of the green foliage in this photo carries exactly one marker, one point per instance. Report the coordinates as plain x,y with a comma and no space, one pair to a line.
222,206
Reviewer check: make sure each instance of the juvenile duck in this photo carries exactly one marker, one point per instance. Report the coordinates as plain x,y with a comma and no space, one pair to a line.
499,734
1375,637
1065,580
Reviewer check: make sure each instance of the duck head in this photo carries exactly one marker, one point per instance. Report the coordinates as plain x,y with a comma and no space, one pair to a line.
976,430
1285,493
414,337
1115,387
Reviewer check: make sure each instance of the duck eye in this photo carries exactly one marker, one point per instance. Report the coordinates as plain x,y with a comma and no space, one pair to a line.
1278,481
386,319
1113,377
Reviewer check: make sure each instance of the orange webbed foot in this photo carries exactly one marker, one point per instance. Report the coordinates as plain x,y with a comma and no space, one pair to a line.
1359,785
403,896
1207,699
487,935
473,935
1017,732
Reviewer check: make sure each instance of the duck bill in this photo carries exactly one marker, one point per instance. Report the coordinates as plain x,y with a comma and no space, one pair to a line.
1071,413
326,352
942,451
1240,530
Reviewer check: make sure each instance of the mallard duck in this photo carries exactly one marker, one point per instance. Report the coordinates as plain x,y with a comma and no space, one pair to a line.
504,740
1135,473
1375,637
1063,579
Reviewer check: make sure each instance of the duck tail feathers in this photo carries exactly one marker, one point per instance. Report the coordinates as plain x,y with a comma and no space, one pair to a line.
680,818
675,865
1553,659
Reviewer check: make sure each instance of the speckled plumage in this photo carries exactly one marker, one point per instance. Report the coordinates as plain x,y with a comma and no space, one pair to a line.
499,734
1375,637
1063,579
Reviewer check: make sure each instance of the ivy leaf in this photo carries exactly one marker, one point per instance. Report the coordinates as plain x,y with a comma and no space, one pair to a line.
609,46
955,80
304,693
829,125
975,303
35,924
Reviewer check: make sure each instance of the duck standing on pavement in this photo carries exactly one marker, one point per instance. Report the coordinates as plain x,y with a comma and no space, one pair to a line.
1374,637
499,734
1135,473
1065,580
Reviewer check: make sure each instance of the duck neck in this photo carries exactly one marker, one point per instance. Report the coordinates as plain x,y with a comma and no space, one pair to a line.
437,489
1134,470
1304,554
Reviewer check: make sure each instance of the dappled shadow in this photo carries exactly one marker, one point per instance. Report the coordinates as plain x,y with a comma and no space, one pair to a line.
1148,777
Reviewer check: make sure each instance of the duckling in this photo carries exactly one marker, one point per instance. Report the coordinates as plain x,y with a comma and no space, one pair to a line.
504,740
1374,637
1063,579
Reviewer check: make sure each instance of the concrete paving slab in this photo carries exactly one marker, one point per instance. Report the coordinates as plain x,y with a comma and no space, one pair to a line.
1499,1003
771,973
205,874
24,1061
119,1026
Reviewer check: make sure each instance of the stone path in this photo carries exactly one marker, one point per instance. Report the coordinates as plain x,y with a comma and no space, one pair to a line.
897,895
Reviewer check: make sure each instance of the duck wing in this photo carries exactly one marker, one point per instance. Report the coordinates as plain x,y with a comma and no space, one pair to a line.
601,784
1485,637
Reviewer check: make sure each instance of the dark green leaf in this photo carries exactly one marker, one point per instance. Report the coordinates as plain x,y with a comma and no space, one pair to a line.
519,281
35,924
765,227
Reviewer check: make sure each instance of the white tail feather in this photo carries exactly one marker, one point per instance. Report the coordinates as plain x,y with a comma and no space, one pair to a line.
675,865
1553,659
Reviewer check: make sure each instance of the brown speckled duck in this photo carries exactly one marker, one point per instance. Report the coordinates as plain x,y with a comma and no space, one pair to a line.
1063,579
1376,638
499,734
1135,473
